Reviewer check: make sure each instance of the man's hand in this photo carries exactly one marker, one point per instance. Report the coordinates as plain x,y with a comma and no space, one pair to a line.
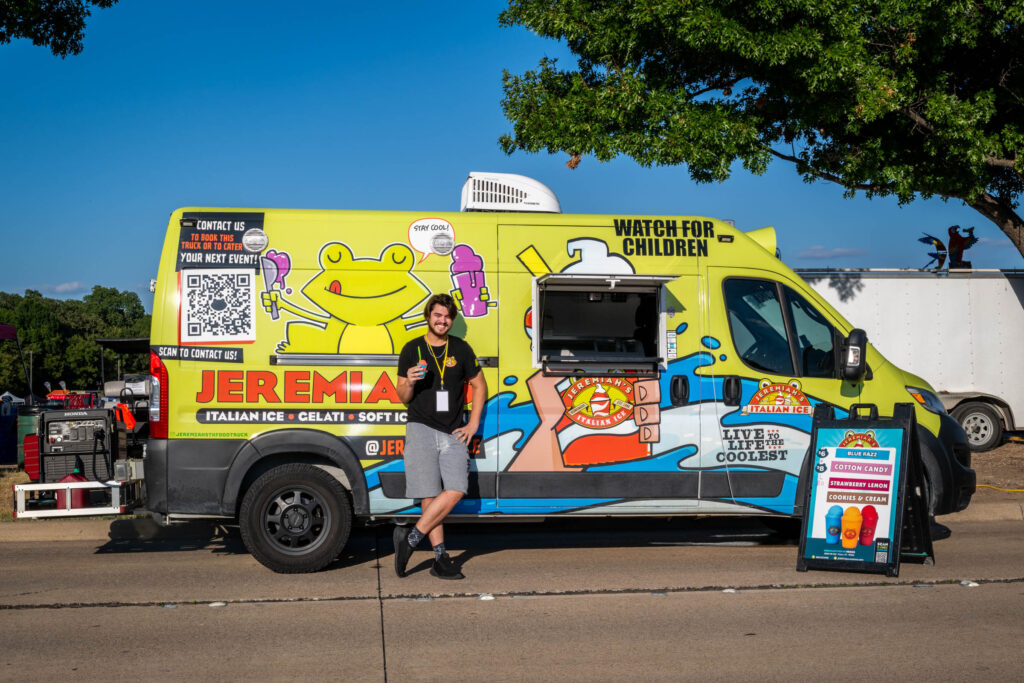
417,372
406,381
465,433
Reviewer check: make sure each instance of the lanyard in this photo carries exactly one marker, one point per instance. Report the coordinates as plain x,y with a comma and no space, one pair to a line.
440,367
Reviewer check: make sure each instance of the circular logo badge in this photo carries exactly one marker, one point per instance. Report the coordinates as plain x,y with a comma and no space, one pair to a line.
442,244
599,402
255,240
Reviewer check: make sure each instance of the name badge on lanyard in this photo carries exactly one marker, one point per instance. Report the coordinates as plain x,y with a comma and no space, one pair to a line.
442,401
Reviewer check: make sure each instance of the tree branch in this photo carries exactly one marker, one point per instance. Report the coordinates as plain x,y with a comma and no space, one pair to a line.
918,119
866,187
1002,163
990,160
726,85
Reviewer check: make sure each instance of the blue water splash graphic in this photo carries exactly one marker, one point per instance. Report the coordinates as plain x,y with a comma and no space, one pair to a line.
522,417
710,342
687,367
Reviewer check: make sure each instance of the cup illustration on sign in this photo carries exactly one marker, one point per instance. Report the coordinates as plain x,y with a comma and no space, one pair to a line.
469,282
275,265
869,521
851,527
833,524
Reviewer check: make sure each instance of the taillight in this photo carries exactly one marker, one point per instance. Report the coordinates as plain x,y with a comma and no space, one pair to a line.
158,404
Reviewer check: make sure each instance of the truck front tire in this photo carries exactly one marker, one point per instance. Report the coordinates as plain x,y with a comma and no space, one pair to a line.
295,518
982,423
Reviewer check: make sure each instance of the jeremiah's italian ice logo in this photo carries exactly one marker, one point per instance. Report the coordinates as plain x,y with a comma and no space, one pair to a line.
854,439
599,402
776,397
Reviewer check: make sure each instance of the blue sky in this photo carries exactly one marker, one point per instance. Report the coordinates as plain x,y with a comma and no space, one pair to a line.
331,106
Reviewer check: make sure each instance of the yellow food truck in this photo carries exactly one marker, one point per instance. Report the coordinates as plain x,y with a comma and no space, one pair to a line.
636,365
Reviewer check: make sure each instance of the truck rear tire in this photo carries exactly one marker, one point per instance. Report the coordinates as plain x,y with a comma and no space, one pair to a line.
982,424
295,518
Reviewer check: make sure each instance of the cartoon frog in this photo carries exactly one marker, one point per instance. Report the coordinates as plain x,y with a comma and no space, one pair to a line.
364,300
854,439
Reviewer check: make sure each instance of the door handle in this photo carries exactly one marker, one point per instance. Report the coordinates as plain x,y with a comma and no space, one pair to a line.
731,390
679,390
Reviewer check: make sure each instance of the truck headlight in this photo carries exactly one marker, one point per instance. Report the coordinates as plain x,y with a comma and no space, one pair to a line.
927,399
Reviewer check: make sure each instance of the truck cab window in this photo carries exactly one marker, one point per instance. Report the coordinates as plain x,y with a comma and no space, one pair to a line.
814,335
758,326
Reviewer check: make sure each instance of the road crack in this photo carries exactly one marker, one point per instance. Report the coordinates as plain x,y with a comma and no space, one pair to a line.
380,598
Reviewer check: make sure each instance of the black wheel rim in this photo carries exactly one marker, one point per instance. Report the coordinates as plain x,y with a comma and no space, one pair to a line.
295,520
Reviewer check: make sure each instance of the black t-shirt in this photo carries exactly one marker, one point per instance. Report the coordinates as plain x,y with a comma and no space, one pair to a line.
461,367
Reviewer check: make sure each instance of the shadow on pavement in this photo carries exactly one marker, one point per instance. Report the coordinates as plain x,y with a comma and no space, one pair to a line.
466,541
146,536
143,535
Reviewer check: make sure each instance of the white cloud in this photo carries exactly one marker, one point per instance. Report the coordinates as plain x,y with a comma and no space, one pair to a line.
820,253
64,288
1000,242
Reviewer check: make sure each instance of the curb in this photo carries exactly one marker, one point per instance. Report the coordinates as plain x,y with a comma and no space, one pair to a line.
989,512
145,529
106,530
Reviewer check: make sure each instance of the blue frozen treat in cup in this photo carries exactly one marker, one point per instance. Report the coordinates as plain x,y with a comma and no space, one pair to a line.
833,524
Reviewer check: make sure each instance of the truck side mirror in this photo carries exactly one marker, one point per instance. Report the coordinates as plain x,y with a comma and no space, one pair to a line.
854,363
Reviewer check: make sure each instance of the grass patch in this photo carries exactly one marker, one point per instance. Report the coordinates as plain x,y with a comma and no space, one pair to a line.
9,476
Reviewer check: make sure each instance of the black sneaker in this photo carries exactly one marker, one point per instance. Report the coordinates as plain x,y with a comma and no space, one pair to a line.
445,568
403,551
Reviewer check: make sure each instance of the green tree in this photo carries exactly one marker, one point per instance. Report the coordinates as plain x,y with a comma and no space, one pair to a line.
61,336
886,97
57,24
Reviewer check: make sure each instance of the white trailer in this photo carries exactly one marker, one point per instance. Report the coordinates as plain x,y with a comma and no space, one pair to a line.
962,330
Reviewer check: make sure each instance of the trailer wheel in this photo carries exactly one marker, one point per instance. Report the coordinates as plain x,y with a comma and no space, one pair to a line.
982,424
295,518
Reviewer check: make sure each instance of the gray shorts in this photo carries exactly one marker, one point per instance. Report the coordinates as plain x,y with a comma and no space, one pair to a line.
434,462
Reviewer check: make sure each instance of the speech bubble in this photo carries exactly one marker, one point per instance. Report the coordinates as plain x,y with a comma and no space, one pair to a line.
432,236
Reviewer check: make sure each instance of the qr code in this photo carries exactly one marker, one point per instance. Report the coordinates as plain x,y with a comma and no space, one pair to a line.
218,305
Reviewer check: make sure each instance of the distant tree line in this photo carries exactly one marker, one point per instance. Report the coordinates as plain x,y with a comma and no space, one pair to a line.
57,337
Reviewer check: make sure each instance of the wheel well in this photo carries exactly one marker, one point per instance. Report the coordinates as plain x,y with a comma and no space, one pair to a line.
1001,408
268,463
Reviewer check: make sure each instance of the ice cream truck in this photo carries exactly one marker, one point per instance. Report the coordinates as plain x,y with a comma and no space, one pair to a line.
636,365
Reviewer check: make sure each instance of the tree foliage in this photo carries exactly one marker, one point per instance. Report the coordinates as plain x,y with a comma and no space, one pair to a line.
887,97
60,336
57,24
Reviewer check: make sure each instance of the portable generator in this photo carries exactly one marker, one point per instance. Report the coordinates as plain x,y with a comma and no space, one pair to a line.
84,439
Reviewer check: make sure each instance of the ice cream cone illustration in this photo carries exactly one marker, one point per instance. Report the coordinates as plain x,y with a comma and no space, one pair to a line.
600,404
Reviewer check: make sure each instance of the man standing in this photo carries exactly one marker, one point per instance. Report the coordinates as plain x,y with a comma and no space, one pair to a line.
432,374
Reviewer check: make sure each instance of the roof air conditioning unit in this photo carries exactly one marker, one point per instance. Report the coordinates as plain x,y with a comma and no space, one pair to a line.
507,192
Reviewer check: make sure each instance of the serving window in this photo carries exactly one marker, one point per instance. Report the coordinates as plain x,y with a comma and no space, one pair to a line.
598,322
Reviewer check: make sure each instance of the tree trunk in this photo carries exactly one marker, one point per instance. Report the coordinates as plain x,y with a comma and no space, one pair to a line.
1000,213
